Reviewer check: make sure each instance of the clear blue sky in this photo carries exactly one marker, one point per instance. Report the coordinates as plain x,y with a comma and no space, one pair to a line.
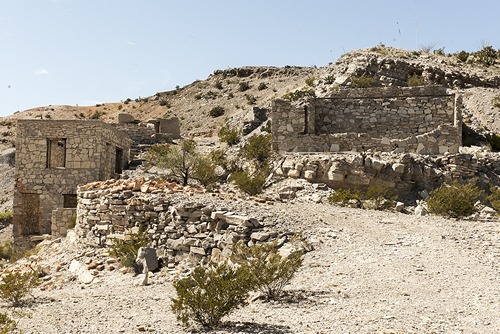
89,51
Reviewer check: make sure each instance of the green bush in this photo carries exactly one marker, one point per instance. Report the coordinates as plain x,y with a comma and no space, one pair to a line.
362,81
229,135
310,81
494,198
126,250
487,55
258,148
262,86
210,293
496,102
268,270
342,196
299,94
243,86
217,111
494,141
205,172
249,184
218,84
6,216
463,56
7,251
7,325
455,200
16,286
415,80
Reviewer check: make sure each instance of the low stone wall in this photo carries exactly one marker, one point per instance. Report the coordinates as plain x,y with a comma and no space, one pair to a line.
62,219
180,229
401,173
423,120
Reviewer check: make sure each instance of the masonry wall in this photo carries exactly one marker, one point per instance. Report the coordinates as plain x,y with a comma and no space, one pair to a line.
181,229
424,120
52,158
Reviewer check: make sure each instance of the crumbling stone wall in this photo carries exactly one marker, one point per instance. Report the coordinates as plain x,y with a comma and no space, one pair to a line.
85,151
424,120
182,229
62,219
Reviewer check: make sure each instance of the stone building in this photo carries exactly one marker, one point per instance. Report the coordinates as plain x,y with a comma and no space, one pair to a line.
422,120
52,158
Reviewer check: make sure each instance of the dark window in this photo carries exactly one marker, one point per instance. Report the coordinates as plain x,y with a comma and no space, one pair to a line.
56,153
69,201
31,214
118,160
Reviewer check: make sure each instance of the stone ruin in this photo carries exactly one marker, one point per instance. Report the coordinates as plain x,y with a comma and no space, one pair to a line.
422,120
54,156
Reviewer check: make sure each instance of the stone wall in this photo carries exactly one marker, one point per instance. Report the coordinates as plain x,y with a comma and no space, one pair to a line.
52,158
424,120
181,229
403,174
62,219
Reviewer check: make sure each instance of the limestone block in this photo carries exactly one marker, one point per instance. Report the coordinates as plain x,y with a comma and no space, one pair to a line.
309,175
294,173
443,149
335,148
398,168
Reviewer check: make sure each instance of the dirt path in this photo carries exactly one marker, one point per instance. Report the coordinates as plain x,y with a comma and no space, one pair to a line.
371,272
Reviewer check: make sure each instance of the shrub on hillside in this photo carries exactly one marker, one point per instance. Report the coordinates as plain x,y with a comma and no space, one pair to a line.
343,196
205,172
455,200
217,111
210,293
362,81
268,270
243,86
494,198
299,94
487,55
16,286
251,184
7,325
463,56
258,148
229,135
415,80
262,86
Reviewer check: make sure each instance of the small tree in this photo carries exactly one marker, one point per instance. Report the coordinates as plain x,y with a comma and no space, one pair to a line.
205,171
180,161
455,200
16,286
269,271
210,293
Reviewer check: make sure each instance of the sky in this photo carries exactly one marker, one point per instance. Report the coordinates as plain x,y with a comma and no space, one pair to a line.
84,52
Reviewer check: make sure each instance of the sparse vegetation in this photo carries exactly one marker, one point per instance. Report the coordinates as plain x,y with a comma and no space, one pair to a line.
205,172
257,149
229,135
362,81
415,80
487,56
250,99
262,86
494,198
454,200
251,184
343,196
299,94
218,84
126,249
15,287
494,140
7,324
217,111
269,271
310,81
243,86
496,102
463,56
209,293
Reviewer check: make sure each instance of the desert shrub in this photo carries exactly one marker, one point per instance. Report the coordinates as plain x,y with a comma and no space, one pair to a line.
218,84
229,135
250,99
156,154
487,55
494,141
6,216
415,80
427,48
126,250
299,94
268,270
210,293
362,81
164,103
381,49
16,286
251,184
6,250
342,196
258,148
379,192
243,86
494,198
455,200
97,114
7,325
205,172
310,81
329,79
496,102
217,111
463,56
262,86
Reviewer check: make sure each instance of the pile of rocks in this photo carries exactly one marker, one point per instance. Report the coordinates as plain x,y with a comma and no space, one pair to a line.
182,230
